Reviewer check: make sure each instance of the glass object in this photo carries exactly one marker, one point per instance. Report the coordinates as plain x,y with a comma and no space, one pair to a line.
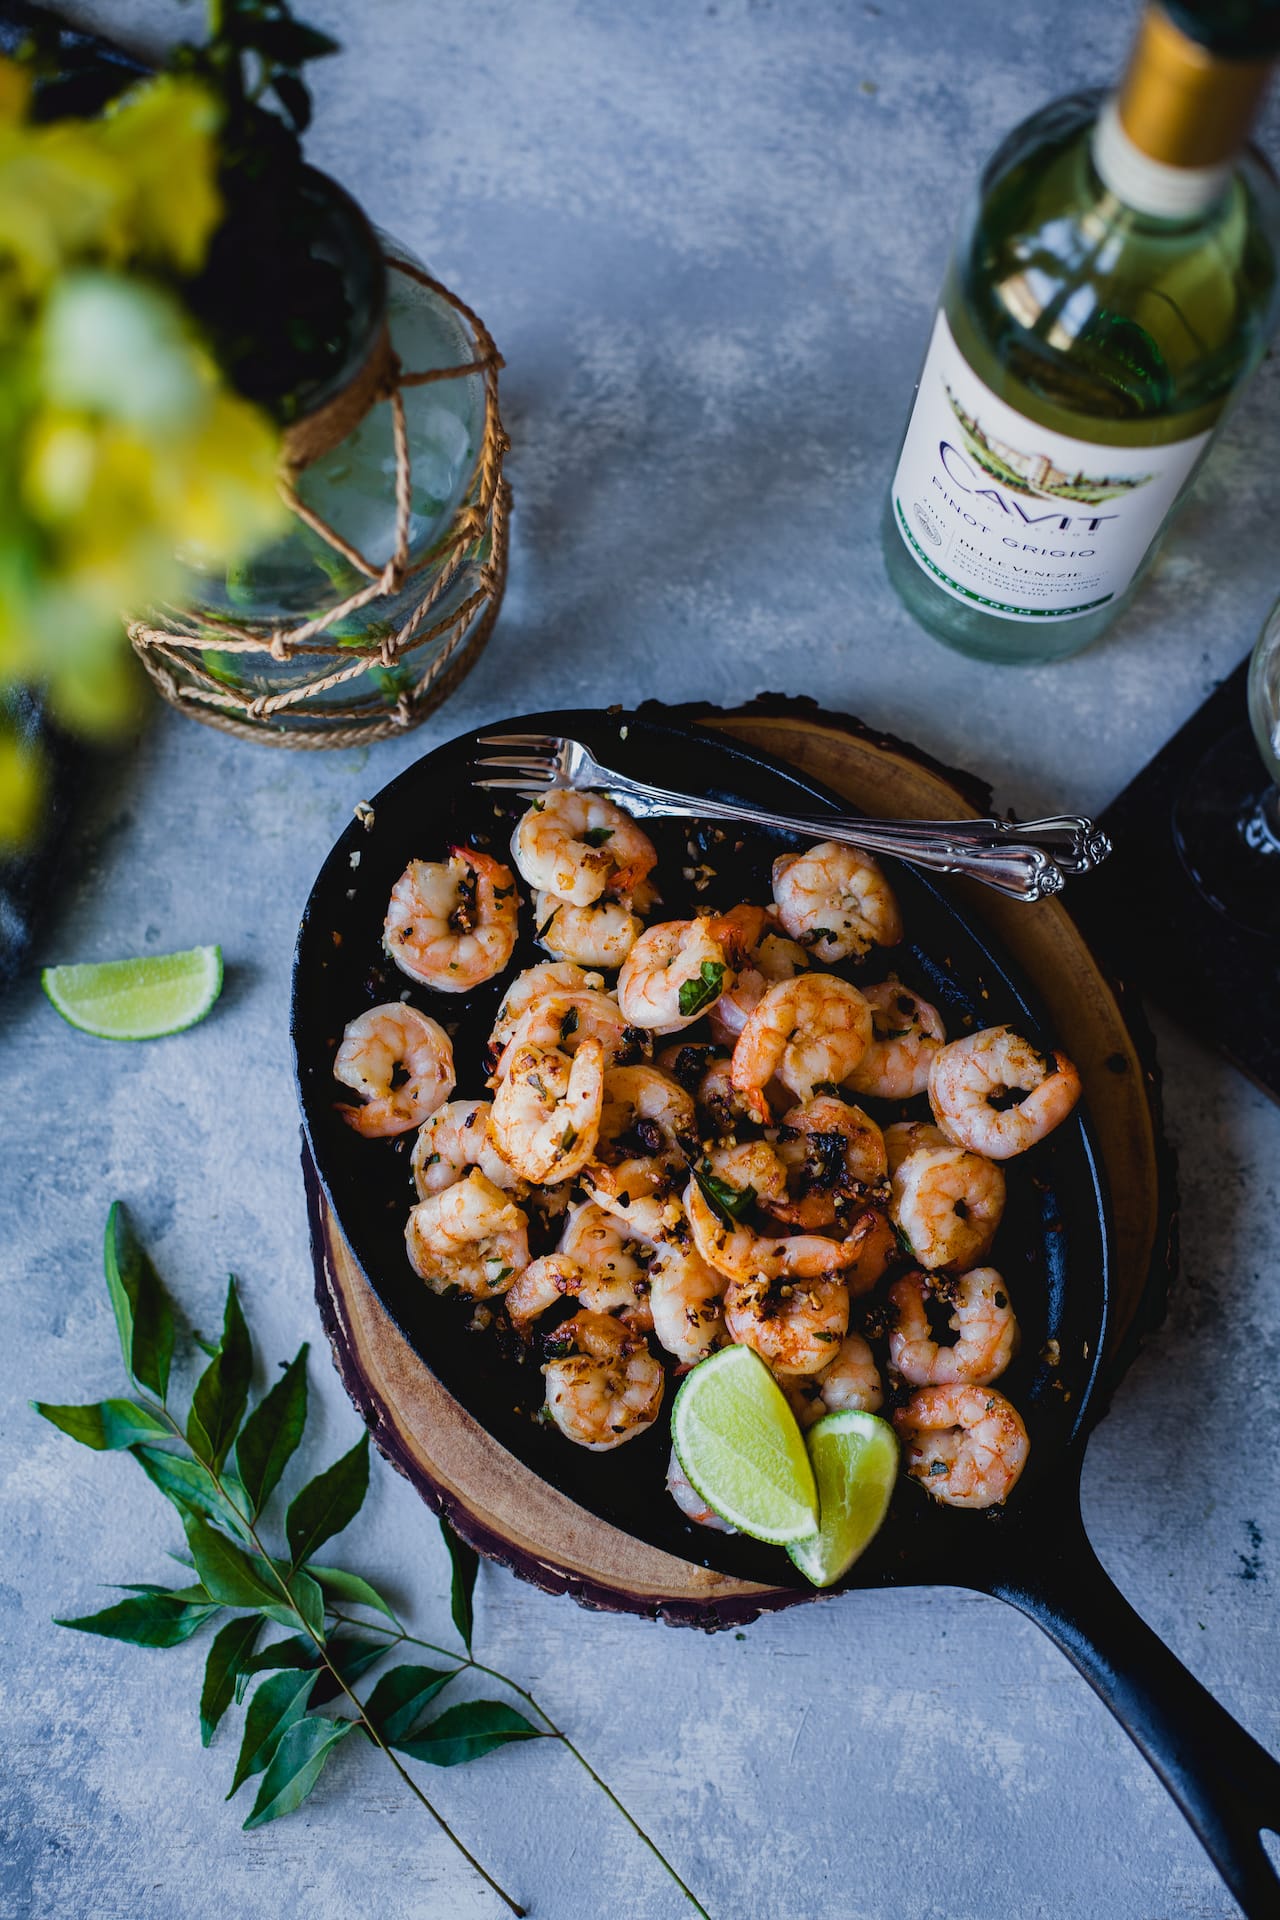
1102,307
344,620
1226,821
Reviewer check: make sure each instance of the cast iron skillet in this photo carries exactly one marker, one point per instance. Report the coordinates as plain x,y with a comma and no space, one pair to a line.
1053,1248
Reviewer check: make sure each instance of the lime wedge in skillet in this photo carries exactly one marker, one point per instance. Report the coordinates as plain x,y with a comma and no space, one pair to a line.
855,1460
741,1449
138,999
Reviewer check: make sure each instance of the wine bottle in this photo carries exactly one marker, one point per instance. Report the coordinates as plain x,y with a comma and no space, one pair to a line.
1112,289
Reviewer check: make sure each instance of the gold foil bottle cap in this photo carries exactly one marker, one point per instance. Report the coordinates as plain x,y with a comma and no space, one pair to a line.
1182,105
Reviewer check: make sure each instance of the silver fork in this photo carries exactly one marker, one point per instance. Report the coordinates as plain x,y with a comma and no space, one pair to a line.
1028,859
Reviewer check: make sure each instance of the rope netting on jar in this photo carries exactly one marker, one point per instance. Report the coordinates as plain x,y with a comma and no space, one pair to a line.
290,716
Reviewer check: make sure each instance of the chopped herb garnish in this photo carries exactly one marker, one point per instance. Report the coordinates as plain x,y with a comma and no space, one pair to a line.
596,836
699,993
731,1203
570,1022
567,1139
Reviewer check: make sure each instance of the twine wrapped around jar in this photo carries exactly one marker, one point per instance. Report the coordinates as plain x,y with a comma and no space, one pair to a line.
172,652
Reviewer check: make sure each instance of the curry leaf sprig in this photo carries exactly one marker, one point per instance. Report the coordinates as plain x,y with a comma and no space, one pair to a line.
220,1469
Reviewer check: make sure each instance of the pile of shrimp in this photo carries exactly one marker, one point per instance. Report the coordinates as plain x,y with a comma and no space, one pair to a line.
682,1158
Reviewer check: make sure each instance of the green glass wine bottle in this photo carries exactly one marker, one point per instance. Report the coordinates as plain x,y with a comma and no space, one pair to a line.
1112,289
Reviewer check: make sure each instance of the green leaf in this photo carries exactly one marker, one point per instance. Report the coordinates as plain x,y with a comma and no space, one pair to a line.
298,1763
234,1578
329,1502
306,1594
105,1424
351,1654
294,98
291,42
465,1563
466,1732
161,1619
400,1696
197,1595
187,1484
144,1313
231,1647
274,1708
731,1203
272,1432
699,993
295,1652
222,1391
597,836
350,1586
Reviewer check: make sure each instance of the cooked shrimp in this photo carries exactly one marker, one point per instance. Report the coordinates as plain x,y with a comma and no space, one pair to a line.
764,961
546,1112
647,1131
794,1326
544,1282
739,1254
947,1203
908,1136
600,934
603,1385
691,1503
454,1139
974,1089
848,1383
906,1035
452,925
706,1072
674,972
810,1032
836,901
685,1295
471,1236
548,978
965,1445
981,1316
579,845
613,1266
399,1062
878,1251
835,1160
752,1167
564,1021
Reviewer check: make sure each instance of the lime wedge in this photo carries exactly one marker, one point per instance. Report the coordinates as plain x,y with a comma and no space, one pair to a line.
738,1443
855,1458
137,999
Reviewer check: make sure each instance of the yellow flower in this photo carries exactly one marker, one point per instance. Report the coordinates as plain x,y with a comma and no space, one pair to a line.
15,91
162,133
21,789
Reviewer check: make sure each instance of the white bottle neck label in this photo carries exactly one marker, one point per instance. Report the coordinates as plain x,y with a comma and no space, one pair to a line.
1014,519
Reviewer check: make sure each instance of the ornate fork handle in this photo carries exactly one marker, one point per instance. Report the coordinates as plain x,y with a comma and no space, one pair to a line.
1028,859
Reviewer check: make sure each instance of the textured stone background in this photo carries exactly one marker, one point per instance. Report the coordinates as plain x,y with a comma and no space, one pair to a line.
708,239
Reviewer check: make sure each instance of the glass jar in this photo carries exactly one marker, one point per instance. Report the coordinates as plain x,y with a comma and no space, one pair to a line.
383,588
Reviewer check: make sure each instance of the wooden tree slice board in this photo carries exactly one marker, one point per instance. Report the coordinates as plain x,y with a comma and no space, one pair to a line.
512,1516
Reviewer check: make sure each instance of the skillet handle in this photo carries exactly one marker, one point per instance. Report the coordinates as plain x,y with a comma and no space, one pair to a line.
1227,1785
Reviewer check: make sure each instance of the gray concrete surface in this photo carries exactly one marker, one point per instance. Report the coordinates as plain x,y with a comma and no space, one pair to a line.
708,239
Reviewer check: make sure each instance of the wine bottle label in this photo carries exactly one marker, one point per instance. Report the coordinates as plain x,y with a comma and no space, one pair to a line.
1005,514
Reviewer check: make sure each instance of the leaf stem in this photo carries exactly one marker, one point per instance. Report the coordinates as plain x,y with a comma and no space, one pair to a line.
251,1530
478,1666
